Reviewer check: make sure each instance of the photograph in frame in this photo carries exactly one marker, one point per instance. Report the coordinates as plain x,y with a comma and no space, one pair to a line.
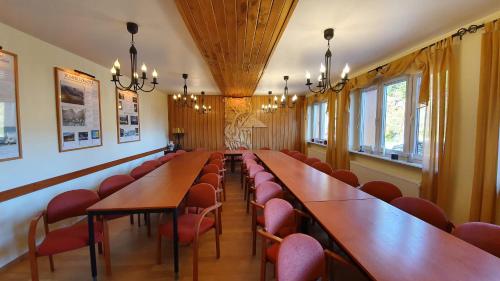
127,116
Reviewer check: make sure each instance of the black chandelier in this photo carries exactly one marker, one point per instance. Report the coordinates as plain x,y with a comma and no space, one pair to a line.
272,104
184,99
203,109
324,83
136,83
285,100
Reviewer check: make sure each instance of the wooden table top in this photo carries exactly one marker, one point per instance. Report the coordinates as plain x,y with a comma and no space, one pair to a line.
390,244
305,182
235,152
163,188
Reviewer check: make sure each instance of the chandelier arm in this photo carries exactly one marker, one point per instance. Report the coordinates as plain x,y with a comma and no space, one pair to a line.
119,87
149,91
124,88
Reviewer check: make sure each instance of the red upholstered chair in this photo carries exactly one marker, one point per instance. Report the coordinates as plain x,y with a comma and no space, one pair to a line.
222,172
154,163
247,160
180,151
165,158
111,185
191,226
284,150
382,190
249,179
264,192
300,258
214,180
280,220
173,154
210,168
260,177
311,160
69,204
323,167
217,155
299,156
292,152
424,210
346,176
140,171
265,148
483,235
200,149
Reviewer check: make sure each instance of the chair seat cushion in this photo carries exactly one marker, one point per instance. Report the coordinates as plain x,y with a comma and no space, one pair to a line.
260,220
187,227
68,238
272,252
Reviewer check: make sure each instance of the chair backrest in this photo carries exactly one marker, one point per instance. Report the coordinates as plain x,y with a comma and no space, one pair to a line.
180,151
483,235
382,190
323,167
140,171
424,210
278,214
265,148
165,158
172,154
70,204
299,156
254,169
201,195
267,191
154,163
262,176
216,155
249,162
112,184
300,257
346,176
292,152
311,160
211,178
210,168
248,155
217,162
284,150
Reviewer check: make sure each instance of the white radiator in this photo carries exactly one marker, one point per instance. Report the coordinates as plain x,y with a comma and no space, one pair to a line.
365,174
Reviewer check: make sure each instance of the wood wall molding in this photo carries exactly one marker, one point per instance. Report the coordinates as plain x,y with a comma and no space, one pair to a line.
32,187
236,38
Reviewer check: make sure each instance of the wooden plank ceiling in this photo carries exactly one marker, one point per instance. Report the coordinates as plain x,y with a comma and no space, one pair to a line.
236,38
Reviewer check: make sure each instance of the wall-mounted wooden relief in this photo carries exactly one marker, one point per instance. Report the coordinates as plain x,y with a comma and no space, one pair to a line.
240,120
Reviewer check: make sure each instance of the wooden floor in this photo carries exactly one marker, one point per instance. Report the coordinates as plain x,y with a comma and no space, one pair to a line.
133,253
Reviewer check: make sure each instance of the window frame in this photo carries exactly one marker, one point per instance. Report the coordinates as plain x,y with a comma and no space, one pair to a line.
311,111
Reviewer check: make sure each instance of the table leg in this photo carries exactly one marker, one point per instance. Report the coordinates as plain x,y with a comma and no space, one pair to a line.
176,244
232,163
93,266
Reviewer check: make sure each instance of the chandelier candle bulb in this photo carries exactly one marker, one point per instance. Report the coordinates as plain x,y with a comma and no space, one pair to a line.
308,77
322,68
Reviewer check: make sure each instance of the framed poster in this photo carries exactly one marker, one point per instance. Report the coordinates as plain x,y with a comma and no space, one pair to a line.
127,116
10,130
78,110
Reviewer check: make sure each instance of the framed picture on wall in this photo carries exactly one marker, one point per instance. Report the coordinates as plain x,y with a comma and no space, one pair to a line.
127,116
10,130
78,110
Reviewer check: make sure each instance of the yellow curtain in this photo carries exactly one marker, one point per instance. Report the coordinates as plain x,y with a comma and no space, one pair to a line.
337,153
485,196
439,123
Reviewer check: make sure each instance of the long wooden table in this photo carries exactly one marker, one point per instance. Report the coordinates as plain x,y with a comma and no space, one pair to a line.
232,155
387,243
159,191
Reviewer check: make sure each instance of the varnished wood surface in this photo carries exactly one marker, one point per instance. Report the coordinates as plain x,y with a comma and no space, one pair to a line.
392,245
133,252
235,152
305,182
163,188
35,186
236,37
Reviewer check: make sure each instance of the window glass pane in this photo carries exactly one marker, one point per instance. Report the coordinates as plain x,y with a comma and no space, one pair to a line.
420,117
316,121
394,117
368,119
309,123
324,118
352,125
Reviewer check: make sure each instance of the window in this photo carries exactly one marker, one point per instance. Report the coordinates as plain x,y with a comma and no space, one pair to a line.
391,121
318,122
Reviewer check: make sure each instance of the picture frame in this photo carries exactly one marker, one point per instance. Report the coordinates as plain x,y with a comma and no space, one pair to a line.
10,130
127,116
78,107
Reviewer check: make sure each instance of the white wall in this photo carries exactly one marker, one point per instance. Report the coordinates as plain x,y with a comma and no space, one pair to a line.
41,159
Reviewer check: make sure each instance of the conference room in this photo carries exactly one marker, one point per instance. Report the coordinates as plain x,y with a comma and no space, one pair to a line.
287,140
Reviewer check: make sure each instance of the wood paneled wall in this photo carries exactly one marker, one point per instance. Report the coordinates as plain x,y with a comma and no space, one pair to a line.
284,128
200,130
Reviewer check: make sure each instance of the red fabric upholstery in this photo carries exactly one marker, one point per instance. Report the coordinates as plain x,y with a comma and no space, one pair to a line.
323,167
311,160
300,257
249,162
299,156
483,235
113,184
424,210
346,176
153,163
187,227
293,152
165,158
141,171
266,191
284,150
210,168
70,204
216,155
272,252
254,169
211,178
217,162
173,154
68,238
261,177
180,151
201,195
382,190
265,148
278,214
260,220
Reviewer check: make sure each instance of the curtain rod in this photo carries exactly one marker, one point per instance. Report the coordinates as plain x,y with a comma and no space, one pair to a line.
460,33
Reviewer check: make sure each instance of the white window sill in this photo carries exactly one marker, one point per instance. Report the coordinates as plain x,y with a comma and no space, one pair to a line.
401,162
315,143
